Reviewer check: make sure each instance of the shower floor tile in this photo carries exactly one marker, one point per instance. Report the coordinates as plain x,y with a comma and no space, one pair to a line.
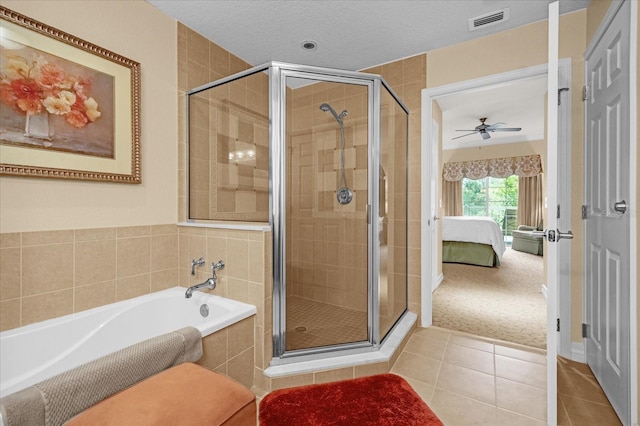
312,324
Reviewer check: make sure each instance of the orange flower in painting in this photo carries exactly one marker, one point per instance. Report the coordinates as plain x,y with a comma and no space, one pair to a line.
34,86
77,119
51,74
29,105
6,94
25,88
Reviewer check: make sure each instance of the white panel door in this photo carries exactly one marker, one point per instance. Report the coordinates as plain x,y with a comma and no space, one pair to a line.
607,224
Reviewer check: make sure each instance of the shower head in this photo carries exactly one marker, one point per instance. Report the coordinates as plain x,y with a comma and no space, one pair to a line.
326,107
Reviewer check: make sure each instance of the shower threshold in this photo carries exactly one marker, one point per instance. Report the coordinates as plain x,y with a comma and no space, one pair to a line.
340,359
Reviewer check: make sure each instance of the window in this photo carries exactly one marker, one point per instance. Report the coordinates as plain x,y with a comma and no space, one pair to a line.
493,197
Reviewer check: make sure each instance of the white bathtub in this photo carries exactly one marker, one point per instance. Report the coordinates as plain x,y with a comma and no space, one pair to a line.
38,351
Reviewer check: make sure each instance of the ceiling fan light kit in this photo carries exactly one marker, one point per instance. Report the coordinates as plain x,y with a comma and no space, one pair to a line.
484,129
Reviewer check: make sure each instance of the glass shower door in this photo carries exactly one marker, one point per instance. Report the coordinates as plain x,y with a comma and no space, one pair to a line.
327,200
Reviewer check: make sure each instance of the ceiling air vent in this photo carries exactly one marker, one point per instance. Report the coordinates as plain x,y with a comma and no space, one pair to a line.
488,19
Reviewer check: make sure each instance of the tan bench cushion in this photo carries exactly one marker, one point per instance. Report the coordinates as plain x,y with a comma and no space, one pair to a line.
188,395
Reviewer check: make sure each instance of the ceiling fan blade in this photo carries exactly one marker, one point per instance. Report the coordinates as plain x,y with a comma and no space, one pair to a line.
466,130
506,129
468,134
485,135
492,126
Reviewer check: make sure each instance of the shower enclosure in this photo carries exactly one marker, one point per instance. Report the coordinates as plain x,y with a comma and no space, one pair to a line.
336,176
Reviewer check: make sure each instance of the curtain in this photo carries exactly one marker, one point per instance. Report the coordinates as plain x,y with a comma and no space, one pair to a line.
525,166
530,204
452,197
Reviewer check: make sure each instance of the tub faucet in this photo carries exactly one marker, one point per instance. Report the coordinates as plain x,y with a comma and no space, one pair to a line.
210,283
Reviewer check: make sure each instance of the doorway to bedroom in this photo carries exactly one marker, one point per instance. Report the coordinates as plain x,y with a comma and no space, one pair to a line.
490,289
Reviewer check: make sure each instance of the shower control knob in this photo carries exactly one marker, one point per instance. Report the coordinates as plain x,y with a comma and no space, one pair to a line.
344,195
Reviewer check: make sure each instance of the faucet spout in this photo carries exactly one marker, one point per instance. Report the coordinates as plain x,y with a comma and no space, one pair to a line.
210,284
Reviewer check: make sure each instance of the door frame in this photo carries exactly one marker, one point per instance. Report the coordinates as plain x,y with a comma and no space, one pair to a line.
633,191
428,172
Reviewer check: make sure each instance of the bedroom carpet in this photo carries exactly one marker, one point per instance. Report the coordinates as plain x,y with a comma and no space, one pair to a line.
503,303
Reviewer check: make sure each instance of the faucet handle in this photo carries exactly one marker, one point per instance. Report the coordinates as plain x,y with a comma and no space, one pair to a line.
219,265
195,263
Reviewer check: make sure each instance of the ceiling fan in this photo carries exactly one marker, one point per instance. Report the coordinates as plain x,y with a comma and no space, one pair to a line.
484,129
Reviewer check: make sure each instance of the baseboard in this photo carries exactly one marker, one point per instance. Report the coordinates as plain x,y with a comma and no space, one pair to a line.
544,291
577,352
437,282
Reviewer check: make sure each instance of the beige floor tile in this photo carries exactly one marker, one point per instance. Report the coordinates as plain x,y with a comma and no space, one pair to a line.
583,412
470,342
457,410
579,385
520,398
508,418
466,382
524,355
471,358
433,333
425,390
424,346
417,367
521,371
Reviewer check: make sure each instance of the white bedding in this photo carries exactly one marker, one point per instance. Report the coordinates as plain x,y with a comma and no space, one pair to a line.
474,229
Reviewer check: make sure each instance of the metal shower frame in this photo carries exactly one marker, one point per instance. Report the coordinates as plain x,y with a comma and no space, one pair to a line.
278,73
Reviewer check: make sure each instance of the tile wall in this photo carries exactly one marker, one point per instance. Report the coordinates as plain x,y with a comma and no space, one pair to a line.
48,274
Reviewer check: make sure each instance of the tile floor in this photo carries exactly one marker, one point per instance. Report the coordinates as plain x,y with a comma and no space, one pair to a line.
468,380
311,324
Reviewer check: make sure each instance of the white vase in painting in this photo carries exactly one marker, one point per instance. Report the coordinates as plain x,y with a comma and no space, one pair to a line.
38,126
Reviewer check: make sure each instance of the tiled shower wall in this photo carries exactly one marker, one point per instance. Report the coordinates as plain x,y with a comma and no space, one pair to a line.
328,256
229,151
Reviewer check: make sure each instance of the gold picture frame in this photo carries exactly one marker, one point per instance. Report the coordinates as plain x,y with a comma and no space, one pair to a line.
68,109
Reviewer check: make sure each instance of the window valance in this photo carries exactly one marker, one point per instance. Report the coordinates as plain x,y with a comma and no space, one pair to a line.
526,166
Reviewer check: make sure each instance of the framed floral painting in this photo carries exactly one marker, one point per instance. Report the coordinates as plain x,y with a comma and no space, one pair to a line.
68,109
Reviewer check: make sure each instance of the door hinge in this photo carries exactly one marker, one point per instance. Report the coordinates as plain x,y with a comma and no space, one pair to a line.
558,212
557,324
585,93
584,331
584,211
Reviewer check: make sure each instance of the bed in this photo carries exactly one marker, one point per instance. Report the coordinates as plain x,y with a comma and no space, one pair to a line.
474,240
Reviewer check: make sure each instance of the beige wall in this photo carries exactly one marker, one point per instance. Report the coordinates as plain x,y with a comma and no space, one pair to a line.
519,48
50,204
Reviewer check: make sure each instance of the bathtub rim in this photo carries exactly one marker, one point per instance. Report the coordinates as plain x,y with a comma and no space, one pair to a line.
247,311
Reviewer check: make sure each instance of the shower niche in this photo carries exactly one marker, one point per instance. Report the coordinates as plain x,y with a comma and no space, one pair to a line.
321,154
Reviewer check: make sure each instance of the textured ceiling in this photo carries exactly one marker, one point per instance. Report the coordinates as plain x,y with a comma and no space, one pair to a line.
351,34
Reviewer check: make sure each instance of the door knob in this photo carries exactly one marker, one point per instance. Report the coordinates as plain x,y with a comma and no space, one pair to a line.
436,218
566,235
620,206
554,235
